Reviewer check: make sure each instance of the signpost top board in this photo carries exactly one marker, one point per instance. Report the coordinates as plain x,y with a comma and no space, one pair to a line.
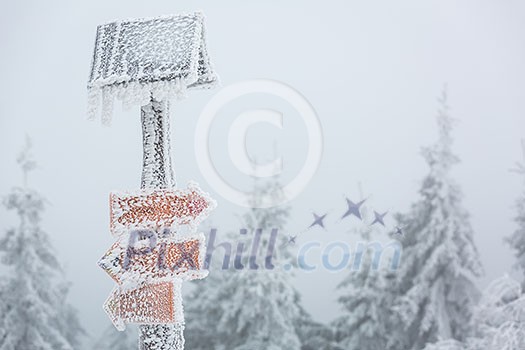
139,59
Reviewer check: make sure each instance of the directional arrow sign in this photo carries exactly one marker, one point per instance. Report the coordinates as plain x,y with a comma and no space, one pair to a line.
144,257
158,208
151,304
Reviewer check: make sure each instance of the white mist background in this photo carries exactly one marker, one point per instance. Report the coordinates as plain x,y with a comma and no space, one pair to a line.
372,71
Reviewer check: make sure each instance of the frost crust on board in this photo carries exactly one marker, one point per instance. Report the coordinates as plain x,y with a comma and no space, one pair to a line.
131,262
139,59
158,208
159,303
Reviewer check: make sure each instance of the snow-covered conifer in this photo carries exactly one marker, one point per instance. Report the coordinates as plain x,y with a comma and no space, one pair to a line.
366,298
35,314
250,309
435,281
517,239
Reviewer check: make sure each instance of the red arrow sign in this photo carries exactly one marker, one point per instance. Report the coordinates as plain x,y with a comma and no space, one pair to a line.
155,209
151,304
143,257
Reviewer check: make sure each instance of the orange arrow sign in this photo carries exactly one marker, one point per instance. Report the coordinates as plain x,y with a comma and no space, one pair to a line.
155,209
143,257
151,304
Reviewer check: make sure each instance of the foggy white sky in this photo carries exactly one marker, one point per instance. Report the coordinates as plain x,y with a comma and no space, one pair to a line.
372,70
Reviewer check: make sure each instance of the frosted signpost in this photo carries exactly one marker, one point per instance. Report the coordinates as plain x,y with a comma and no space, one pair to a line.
148,62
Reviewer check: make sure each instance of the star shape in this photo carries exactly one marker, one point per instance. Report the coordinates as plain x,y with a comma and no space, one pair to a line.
318,220
353,209
291,239
379,218
398,231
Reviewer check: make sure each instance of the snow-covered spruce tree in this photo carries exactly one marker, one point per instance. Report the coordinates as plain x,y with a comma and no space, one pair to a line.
250,309
35,314
435,281
366,300
498,321
517,240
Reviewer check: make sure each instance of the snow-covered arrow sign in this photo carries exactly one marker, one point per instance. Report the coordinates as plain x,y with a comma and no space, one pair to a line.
146,258
157,209
151,304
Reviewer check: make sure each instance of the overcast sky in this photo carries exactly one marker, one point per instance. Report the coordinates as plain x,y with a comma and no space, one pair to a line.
372,70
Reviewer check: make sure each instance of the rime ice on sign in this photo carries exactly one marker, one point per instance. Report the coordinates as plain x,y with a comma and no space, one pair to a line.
130,262
139,59
158,208
151,304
